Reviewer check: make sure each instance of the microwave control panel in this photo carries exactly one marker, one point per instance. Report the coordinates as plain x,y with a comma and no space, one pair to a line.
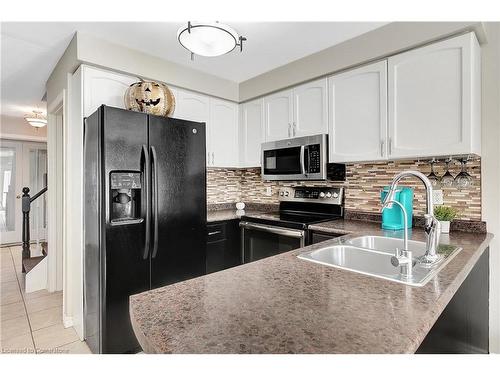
314,158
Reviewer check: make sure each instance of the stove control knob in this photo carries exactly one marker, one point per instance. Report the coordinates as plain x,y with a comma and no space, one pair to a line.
287,193
321,195
335,195
281,193
328,195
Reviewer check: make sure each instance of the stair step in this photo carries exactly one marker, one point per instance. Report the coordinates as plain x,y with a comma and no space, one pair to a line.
45,248
30,263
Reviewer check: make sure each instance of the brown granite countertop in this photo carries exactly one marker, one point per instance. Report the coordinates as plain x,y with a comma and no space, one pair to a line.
283,304
227,212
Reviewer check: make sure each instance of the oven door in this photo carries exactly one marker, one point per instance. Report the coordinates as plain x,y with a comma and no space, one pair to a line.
260,240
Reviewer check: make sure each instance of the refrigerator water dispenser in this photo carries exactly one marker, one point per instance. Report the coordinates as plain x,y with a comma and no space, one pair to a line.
125,197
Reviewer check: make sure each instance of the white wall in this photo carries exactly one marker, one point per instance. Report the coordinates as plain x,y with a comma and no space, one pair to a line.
490,169
18,128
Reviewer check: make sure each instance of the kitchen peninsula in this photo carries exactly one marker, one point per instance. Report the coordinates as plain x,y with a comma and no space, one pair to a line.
283,304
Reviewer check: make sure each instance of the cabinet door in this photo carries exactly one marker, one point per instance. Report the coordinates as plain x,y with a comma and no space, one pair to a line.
194,107
310,109
278,112
103,87
251,132
433,99
358,114
223,133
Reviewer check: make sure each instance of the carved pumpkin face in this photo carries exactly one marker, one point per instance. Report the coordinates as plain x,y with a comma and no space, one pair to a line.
150,97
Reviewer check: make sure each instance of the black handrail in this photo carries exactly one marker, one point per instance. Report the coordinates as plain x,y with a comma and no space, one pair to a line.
26,207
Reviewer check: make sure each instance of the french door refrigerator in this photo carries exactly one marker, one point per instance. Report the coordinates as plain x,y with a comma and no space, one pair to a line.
145,215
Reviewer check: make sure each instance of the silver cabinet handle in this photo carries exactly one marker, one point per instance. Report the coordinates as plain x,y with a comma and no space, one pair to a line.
289,130
390,146
213,157
294,129
215,232
208,158
382,148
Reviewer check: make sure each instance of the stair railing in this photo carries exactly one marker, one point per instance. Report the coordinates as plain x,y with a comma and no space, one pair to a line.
26,201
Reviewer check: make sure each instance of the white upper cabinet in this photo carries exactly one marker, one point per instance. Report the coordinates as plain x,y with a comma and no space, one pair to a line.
223,133
434,100
298,112
310,108
194,107
358,114
251,132
103,87
278,112
191,106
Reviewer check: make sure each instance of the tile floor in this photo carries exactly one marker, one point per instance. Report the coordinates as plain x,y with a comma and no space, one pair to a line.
31,323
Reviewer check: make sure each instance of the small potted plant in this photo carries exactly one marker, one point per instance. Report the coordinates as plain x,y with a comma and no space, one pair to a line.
445,214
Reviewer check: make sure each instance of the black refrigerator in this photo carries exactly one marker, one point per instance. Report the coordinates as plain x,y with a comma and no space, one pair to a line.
145,215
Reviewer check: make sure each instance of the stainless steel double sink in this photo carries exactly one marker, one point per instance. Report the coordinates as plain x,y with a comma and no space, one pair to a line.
371,255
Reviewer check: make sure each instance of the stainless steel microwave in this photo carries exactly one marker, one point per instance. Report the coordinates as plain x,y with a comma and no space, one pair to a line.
302,158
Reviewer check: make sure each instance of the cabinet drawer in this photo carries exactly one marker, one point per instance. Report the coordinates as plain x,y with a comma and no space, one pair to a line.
216,232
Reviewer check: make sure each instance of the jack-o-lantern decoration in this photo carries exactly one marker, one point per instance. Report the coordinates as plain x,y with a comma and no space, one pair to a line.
150,97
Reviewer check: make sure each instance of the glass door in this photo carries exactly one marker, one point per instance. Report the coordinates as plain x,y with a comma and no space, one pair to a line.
22,164
10,185
35,177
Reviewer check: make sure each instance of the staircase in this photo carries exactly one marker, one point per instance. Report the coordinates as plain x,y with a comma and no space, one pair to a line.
34,266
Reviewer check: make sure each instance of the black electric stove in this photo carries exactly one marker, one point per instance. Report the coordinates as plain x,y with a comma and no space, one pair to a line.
302,206
271,233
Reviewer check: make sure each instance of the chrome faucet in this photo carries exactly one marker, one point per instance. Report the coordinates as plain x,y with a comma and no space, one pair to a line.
404,257
432,226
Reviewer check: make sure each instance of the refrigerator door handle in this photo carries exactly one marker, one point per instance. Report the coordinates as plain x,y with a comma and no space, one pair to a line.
155,200
145,169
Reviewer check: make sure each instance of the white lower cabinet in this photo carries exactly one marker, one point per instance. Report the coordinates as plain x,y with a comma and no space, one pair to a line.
358,114
251,133
434,100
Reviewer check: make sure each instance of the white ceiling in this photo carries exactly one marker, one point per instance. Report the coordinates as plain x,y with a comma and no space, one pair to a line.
29,51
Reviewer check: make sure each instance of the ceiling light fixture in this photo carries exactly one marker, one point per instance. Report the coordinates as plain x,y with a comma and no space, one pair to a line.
36,119
209,39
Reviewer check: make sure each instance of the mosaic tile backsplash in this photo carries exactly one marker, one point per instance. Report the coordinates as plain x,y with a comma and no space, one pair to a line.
363,185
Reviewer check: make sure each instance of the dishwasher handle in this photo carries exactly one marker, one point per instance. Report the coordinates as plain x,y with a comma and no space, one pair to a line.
295,233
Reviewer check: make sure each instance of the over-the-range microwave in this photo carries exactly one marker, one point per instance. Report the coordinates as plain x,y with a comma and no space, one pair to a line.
302,158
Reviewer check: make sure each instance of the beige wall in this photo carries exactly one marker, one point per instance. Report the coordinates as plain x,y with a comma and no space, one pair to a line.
376,44
18,128
58,79
491,168
101,53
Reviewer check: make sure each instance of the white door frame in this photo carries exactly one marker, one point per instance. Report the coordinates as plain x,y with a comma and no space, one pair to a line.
55,195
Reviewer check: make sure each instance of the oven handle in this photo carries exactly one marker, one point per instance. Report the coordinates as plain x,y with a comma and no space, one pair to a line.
272,229
302,159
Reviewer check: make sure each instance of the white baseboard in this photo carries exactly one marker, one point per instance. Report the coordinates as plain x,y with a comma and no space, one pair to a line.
67,321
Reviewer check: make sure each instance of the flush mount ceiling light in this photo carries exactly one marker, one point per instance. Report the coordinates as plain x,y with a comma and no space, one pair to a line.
209,39
36,119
